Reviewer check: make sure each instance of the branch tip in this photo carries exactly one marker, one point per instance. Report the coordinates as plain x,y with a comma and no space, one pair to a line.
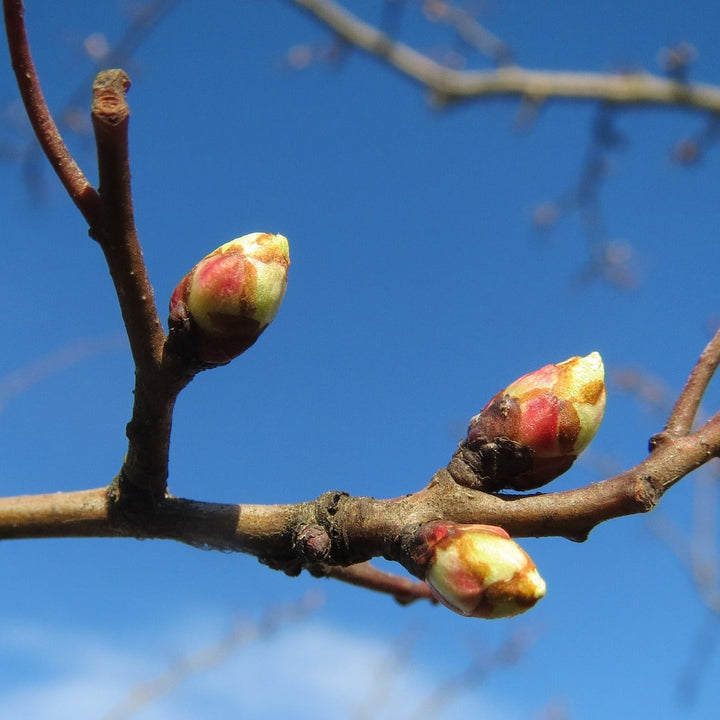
109,105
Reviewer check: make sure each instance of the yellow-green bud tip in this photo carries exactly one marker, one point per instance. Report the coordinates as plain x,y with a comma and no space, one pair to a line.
479,571
553,412
233,294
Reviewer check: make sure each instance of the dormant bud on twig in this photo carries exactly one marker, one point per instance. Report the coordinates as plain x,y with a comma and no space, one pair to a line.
228,299
477,570
551,414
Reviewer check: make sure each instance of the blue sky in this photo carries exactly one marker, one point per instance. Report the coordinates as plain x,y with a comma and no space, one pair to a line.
418,289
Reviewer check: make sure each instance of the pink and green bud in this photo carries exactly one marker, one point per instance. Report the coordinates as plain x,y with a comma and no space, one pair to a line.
553,413
479,570
232,295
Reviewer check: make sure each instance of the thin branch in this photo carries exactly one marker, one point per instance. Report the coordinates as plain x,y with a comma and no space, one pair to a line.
101,513
241,635
115,228
470,30
72,114
145,467
403,589
72,177
109,213
683,414
33,372
453,85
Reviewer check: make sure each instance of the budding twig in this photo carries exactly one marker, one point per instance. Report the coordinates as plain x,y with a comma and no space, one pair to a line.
336,534
109,214
360,527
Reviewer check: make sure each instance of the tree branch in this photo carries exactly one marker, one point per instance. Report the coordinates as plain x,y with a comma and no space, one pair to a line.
335,535
364,575
338,530
686,407
158,379
115,229
450,85
109,213
78,188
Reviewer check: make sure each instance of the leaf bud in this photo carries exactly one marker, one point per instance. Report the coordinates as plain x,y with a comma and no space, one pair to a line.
228,299
478,570
551,415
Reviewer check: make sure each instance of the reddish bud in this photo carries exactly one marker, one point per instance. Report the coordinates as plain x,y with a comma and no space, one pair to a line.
231,296
553,413
478,570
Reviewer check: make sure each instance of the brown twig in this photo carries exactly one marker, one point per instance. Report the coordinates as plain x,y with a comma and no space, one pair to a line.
686,407
145,467
359,527
72,177
453,85
340,531
72,115
115,228
109,213
403,589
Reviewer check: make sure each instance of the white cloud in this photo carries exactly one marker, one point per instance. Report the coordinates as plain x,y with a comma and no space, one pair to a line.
307,670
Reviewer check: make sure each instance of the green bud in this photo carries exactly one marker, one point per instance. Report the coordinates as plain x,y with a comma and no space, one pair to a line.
230,297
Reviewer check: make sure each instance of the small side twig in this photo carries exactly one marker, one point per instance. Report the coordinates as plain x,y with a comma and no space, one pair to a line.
72,177
470,31
47,365
403,589
686,407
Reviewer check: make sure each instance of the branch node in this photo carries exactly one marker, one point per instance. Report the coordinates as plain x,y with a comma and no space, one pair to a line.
645,492
132,500
327,507
313,544
659,440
